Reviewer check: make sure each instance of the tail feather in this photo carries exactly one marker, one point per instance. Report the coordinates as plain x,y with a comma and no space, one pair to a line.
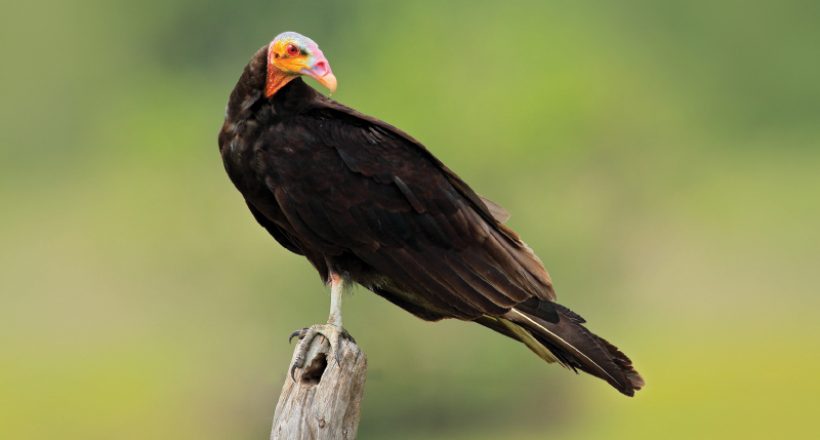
561,332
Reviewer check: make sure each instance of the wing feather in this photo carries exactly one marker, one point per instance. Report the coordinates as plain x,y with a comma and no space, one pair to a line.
361,186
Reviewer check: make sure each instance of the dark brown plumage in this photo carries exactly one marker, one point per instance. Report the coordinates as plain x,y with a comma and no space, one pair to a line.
359,197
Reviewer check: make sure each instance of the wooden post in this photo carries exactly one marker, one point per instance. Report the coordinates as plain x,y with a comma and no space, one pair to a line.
324,400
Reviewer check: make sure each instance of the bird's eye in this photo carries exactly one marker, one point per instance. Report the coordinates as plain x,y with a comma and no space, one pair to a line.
292,50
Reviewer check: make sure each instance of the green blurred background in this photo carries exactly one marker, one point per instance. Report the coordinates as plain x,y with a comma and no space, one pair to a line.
663,159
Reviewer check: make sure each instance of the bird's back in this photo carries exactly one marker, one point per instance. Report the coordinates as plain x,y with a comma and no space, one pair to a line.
357,196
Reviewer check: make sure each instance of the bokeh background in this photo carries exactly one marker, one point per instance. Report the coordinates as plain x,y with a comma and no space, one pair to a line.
663,158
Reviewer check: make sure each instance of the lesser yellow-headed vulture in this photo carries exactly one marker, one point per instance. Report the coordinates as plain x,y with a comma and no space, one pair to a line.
366,203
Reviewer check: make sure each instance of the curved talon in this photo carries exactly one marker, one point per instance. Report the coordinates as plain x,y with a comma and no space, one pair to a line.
300,333
293,372
330,332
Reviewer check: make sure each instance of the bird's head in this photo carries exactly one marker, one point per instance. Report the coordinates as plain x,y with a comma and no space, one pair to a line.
290,55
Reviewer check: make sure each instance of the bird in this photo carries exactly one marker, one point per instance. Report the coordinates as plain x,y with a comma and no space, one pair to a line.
365,203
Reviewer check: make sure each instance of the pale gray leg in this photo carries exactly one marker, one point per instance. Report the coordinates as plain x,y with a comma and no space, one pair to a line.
309,345
338,286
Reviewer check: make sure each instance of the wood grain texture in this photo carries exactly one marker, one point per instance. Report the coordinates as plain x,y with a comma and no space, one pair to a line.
324,400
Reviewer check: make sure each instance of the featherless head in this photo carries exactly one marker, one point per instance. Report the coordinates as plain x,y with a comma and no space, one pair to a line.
291,54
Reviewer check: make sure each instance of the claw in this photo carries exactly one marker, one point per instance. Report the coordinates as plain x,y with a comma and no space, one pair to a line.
305,350
300,333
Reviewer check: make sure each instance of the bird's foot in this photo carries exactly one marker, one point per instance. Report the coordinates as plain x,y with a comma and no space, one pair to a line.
310,346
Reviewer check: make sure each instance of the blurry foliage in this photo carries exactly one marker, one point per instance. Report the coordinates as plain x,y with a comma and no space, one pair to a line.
661,157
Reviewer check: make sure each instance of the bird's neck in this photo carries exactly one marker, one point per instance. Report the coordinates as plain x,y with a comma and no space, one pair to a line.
276,79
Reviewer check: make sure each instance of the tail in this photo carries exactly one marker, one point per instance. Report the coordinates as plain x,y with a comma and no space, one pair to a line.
557,334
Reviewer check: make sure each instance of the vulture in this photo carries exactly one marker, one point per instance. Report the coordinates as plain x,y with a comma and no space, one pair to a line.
366,203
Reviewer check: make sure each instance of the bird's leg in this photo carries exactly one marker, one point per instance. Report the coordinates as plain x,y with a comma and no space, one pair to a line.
337,288
309,345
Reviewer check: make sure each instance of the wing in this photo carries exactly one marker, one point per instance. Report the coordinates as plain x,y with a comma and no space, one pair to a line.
357,185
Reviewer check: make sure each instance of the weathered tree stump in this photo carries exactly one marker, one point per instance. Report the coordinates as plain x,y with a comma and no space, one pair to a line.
324,400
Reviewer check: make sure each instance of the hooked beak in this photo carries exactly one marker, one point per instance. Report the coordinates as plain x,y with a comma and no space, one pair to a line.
320,71
328,80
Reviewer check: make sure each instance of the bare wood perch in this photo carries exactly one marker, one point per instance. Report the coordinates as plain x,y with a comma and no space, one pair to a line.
323,401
